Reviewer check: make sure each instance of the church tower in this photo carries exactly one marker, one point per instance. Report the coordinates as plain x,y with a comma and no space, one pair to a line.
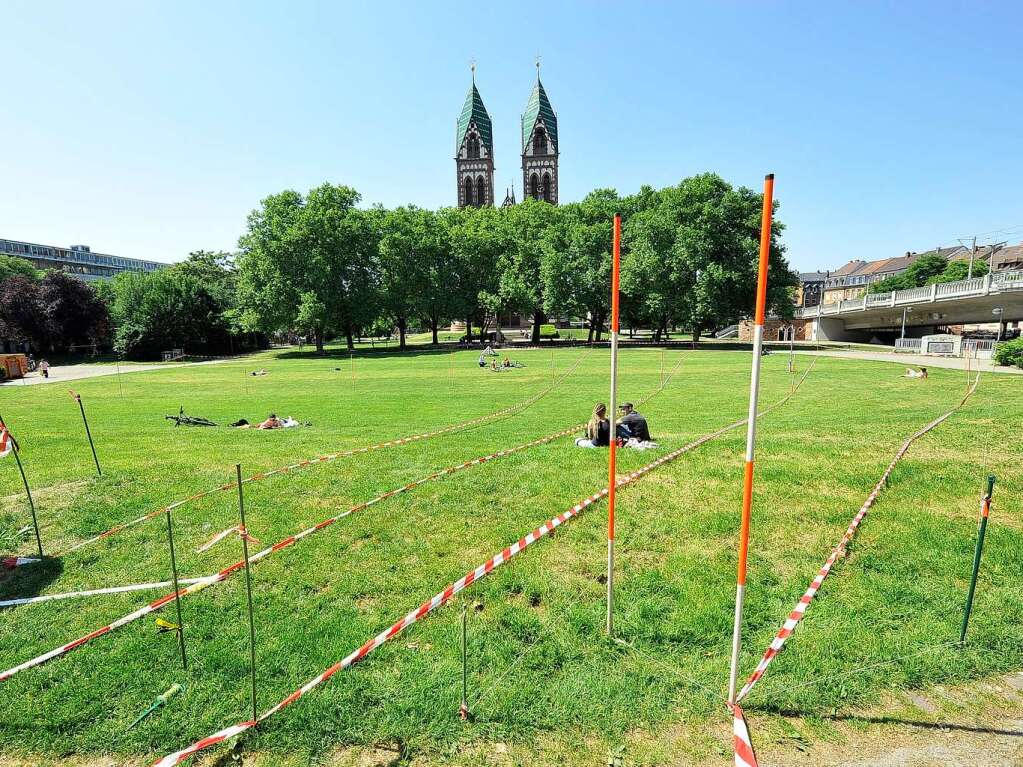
540,146
474,151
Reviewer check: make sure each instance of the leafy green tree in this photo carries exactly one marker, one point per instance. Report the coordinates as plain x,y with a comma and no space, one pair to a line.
576,268
477,239
311,259
692,255
957,270
409,251
531,225
188,305
924,268
12,265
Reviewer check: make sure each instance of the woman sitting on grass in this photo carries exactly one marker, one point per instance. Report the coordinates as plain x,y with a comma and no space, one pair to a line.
598,430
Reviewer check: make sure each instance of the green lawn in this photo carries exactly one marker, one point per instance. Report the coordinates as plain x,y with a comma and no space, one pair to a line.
543,679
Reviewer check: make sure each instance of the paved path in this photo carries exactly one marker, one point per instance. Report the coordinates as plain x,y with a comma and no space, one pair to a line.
65,373
916,360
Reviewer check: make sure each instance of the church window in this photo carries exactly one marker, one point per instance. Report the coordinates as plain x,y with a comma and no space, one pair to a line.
534,186
539,142
468,191
481,192
473,147
548,193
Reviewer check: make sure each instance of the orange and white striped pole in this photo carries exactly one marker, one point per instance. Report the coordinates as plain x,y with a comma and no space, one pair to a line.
612,460
751,428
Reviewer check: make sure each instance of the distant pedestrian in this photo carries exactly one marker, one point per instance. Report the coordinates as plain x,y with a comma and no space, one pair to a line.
44,367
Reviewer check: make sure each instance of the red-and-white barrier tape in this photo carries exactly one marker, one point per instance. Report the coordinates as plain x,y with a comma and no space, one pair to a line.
9,563
447,594
94,592
745,756
222,575
799,611
330,457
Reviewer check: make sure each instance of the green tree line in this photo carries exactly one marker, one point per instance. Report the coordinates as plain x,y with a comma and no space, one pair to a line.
321,266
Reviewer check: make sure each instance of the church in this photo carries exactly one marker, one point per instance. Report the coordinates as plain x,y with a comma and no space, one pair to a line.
474,147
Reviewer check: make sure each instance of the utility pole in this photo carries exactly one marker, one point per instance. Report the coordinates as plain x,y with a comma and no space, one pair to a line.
973,254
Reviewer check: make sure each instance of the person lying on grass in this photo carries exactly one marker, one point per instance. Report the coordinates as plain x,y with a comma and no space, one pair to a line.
910,373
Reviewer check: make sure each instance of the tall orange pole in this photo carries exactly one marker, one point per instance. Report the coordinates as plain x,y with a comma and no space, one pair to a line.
612,479
751,428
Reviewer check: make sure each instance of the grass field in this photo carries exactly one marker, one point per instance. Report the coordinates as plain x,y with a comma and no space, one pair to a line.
543,679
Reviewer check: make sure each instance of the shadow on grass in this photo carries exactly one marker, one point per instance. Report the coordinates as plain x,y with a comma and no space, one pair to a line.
940,725
30,580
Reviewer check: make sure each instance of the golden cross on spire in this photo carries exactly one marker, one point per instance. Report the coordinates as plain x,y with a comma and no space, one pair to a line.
538,67
472,66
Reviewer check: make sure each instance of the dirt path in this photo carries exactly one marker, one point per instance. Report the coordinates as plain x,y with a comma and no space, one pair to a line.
65,373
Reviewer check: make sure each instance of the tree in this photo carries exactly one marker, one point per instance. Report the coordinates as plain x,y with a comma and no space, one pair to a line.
12,265
958,270
22,317
189,305
477,238
521,285
408,248
690,256
311,259
576,267
75,313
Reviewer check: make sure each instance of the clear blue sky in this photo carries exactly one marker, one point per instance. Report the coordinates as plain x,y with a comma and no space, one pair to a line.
151,129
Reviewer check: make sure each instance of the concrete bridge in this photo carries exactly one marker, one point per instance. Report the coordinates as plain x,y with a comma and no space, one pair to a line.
924,309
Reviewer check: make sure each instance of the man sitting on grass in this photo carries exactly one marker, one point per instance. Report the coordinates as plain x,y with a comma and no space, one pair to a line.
632,424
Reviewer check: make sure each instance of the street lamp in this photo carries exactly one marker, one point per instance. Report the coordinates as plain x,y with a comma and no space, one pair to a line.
997,311
905,310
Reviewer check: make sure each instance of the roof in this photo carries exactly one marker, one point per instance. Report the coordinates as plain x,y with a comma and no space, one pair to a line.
811,277
850,268
539,106
473,111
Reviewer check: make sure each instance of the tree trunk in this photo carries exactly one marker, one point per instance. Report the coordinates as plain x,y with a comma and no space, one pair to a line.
433,328
318,333
468,330
598,328
402,325
350,336
538,318
589,334
696,333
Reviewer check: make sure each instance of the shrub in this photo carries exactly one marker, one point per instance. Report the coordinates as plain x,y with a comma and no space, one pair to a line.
549,331
1010,353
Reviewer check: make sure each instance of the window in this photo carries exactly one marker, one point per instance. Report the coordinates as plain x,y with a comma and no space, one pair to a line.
473,147
539,141
481,192
468,191
548,192
534,186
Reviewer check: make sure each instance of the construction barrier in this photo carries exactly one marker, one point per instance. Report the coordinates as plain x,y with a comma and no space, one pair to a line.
449,592
230,570
799,611
94,592
521,406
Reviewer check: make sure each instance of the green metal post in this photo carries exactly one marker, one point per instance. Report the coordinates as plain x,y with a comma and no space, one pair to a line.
985,510
28,490
88,433
177,591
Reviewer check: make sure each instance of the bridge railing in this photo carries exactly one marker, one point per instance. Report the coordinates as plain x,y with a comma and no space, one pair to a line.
977,286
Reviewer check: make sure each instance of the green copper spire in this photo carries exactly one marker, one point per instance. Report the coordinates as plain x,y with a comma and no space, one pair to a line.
539,106
474,111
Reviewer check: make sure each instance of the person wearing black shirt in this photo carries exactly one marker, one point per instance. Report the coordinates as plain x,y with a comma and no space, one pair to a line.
598,430
633,424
